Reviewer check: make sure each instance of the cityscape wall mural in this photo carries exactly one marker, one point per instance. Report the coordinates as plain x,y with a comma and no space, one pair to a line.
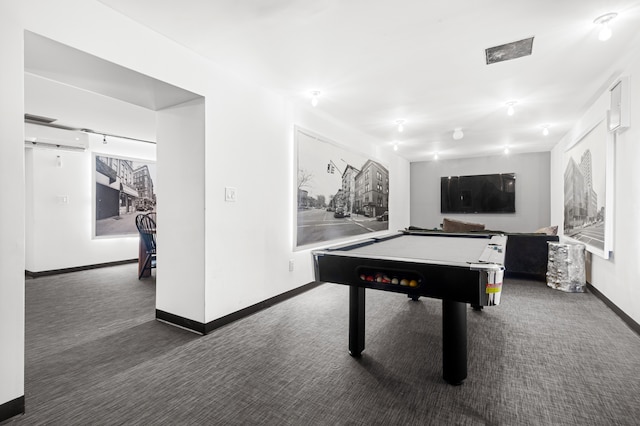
588,190
339,193
124,188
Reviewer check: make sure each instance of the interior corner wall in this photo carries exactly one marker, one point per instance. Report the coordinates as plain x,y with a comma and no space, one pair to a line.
12,213
181,228
618,277
532,191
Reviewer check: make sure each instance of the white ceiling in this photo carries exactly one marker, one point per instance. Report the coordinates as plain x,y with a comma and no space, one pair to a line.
376,61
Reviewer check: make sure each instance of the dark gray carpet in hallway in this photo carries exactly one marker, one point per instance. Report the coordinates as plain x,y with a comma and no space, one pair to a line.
95,355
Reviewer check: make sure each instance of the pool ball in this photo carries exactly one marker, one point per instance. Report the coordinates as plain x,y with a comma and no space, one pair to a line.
404,281
394,280
413,283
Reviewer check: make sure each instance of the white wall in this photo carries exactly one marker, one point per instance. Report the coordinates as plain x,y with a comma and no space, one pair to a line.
248,144
181,228
12,211
532,191
617,278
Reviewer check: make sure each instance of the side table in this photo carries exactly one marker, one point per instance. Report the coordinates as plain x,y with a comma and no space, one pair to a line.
566,267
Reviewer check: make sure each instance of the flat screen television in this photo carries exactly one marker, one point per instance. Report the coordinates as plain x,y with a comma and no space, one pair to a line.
494,193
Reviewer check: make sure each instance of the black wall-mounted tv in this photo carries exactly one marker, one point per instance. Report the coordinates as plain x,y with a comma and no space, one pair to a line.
478,194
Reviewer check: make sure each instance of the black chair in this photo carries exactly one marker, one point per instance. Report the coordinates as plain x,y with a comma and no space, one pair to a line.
147,229
153,216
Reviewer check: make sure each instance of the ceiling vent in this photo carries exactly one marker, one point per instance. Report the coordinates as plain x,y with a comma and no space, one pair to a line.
38,119
505,52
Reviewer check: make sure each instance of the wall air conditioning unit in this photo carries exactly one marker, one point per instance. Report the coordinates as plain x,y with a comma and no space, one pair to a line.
619,110
54,137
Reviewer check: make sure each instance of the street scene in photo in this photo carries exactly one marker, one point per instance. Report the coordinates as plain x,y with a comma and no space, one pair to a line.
584,189
124,188
339,194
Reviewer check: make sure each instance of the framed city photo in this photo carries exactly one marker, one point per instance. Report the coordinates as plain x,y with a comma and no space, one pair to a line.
339,193
123,188
588,190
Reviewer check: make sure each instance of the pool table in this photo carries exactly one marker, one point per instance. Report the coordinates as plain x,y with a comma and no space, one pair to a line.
458,268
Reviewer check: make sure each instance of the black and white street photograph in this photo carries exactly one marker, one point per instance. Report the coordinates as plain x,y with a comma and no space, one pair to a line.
340,193
585,189
123,189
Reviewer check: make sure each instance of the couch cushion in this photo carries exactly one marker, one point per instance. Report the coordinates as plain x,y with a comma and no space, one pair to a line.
452,225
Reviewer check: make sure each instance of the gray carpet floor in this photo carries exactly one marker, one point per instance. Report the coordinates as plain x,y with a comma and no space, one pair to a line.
95,355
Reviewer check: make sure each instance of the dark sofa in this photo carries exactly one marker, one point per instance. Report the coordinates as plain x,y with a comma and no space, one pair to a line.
527,253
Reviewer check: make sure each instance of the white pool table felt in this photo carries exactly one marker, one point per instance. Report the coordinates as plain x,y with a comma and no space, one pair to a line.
439,249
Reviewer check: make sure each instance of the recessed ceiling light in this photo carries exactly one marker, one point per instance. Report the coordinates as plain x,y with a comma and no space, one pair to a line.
400,124
511,108
314,97
605,29
545,130
457,133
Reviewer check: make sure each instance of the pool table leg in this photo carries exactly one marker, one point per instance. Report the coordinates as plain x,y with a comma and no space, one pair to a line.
356,320
454,341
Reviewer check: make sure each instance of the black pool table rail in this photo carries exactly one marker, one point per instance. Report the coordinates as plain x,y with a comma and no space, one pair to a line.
435,281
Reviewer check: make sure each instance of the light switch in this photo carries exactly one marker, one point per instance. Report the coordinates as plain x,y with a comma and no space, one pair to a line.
230,194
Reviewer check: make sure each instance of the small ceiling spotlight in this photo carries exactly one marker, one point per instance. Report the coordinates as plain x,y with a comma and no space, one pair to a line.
457,133
435,156
104,139
545,130
400,124
510,108
506,150
603,22
395,146
314,97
